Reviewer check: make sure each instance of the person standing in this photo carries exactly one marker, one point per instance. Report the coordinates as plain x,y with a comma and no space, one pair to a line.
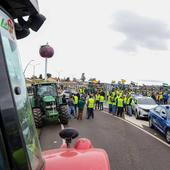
109,102
97,98
120,106
129,105
76,99
71,108
114,102
90,106
101,102
81,104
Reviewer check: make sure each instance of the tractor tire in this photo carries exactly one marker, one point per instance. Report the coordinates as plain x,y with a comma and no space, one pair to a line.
63,115
38,117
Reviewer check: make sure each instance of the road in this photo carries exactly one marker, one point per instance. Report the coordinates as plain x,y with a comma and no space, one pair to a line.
128,147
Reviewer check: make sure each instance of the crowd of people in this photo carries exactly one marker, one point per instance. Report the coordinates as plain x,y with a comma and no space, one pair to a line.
119,101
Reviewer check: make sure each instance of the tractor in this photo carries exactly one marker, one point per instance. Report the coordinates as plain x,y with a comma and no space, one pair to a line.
47,106
19,144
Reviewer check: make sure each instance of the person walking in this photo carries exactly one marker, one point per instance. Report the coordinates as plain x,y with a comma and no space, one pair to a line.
81,104
90,106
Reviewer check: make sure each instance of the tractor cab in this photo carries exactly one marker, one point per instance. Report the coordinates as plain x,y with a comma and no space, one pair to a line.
19,144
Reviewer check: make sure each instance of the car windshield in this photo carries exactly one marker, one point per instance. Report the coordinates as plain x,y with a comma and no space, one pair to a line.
46,90
146,101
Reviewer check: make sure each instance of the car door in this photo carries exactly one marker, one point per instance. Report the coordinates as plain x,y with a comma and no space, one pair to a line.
161,119
155,115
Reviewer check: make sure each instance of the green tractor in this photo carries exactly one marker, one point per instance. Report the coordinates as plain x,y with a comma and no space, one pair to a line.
47,106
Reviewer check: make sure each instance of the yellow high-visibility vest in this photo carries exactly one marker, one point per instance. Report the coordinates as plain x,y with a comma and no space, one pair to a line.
109,101
76,99
101,98
120,102
91,103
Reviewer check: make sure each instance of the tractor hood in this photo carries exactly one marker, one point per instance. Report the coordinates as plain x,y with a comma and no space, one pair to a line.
48,99
76,159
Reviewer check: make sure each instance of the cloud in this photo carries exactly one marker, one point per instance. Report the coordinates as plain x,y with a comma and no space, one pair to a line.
141,31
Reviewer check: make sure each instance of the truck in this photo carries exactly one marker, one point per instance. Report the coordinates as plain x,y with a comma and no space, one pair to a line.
19,144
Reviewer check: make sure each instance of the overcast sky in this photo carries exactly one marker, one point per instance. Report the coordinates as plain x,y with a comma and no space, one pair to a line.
105,39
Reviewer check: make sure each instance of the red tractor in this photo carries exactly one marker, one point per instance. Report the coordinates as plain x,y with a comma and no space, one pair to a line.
19,144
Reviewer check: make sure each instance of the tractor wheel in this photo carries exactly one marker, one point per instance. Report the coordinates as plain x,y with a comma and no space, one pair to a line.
38,117
63,115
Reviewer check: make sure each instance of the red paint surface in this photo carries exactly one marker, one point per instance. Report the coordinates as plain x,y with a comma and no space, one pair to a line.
82,157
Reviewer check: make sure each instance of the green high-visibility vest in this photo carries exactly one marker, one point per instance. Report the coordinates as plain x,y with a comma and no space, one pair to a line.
76,99
120,102
91,103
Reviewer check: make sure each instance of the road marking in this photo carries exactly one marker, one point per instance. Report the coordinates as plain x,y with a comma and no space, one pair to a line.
62,127
139,128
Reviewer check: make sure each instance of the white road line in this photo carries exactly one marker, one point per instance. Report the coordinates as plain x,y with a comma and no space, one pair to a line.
139,129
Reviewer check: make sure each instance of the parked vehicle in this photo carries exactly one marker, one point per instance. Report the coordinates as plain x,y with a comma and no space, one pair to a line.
141,106
47,105
159,118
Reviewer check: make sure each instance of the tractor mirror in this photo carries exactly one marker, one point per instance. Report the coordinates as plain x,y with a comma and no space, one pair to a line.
68,134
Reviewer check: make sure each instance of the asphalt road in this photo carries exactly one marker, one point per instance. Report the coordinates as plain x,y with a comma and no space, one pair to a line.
128,147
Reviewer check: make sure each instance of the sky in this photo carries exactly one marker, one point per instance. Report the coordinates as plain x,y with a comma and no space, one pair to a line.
105,39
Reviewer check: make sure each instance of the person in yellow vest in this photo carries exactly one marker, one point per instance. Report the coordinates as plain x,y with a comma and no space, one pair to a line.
90,106
114,104
125,103
97,99
101,102
160,98
81,91
120,106
129,105
76,99
109,102
107,94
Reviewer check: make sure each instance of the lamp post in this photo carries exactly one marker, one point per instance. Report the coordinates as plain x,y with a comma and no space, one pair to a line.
27,65
34,65
46,52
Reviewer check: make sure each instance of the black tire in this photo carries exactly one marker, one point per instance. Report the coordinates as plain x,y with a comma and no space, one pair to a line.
167,136
38,117
150,123
136,115
63,115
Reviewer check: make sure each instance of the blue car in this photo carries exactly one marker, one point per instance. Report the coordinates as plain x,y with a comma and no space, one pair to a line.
159,117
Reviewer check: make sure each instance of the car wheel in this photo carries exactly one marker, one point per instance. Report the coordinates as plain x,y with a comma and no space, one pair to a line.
167,135
136,115
150,123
